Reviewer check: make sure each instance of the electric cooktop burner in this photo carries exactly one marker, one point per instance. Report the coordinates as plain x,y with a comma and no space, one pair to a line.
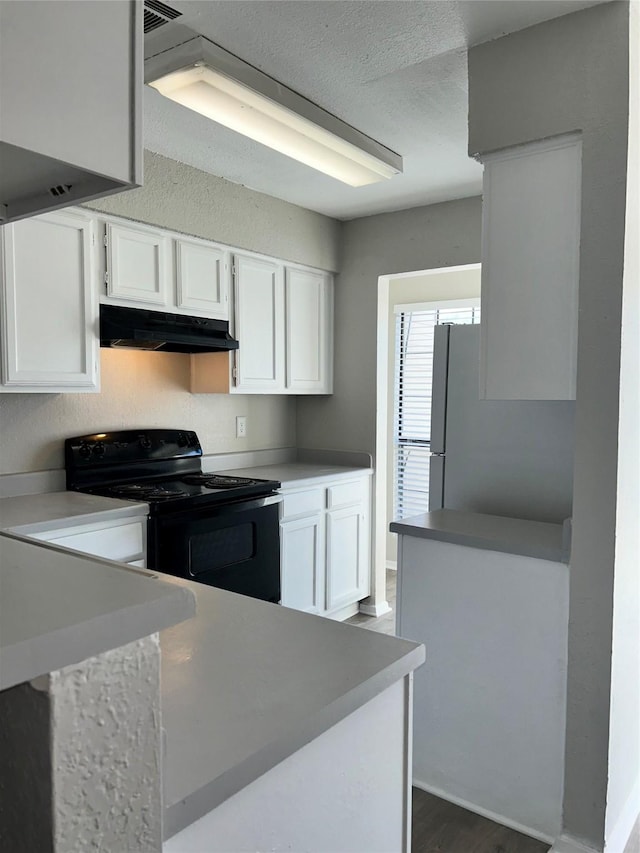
139,490
218,481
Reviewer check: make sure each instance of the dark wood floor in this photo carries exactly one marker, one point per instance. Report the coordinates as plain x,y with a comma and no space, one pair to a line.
441,827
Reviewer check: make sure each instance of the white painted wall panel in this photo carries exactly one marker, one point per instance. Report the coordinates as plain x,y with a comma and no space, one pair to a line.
489,710
531,237
345,792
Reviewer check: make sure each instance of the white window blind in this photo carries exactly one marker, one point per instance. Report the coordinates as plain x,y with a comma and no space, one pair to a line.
412,410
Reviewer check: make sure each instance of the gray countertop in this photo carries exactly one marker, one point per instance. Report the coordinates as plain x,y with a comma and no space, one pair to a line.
491,532
37,513
247,683
300,474
58,607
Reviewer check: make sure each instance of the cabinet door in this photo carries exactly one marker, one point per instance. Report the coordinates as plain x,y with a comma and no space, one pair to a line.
50,340
201,278
302,563
72,119
259,324
530,257
138,265
347,556
308,331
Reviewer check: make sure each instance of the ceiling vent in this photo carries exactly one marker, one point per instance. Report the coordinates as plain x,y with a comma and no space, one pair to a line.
157,14
60,189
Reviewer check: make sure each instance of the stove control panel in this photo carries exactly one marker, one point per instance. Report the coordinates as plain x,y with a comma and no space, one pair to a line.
128,447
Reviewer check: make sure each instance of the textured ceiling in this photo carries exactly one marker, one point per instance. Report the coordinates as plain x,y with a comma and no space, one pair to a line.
394,69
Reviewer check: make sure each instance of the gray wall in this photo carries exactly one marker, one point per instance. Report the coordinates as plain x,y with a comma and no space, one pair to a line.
421,238
152,389
185,199
564,75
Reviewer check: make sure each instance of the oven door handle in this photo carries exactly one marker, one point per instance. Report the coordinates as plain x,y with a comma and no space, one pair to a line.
272,499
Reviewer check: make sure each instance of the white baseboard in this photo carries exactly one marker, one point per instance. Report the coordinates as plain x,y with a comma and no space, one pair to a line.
375,609
569,844
616,840
392,565
497,818
343,613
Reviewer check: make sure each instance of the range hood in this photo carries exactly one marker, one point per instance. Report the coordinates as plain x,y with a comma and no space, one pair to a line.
135,328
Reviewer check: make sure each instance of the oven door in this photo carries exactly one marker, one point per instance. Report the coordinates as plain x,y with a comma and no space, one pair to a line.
234,546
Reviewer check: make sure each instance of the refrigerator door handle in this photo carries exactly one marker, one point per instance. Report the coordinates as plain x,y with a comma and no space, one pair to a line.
439,388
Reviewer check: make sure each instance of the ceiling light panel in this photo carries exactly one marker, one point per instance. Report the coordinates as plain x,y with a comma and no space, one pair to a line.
203,77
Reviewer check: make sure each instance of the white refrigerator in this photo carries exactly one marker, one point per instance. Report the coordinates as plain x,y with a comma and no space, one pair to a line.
503,457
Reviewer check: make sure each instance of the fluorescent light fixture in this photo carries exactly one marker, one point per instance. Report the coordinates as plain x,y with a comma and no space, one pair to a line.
265,111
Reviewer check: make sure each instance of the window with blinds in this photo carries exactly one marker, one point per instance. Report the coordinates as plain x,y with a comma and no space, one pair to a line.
412,409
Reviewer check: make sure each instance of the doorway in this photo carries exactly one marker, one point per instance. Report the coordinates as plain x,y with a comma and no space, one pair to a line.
437,286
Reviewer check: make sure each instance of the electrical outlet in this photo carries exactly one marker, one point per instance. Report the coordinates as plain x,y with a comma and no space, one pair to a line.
241,426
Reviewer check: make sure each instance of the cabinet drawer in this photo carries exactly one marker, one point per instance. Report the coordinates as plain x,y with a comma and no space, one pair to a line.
345,494
302,503
124,542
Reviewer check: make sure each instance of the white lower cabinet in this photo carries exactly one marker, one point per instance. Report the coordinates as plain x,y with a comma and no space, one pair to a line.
302,563
325,547
122,539
49,304
347,563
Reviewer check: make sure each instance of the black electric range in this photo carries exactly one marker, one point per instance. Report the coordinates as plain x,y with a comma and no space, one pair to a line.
214,528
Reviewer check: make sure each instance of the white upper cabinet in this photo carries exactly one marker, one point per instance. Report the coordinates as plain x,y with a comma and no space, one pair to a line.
284,323
138,265
71,87
259,324
49,304
530,270
149,267
308,298
201,279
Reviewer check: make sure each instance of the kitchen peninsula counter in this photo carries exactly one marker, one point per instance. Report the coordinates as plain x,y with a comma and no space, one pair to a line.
245,684
248,689
59,607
